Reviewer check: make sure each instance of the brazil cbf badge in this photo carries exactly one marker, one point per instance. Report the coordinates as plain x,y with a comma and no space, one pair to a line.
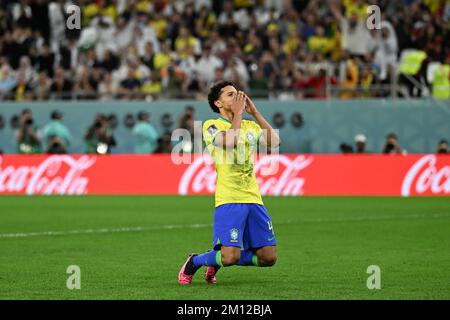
234,234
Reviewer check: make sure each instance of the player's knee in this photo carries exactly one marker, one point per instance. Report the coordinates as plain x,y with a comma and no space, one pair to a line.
230,259
268,260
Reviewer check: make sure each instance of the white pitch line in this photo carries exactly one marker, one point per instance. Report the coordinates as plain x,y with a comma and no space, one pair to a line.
197,225
381,217
102,230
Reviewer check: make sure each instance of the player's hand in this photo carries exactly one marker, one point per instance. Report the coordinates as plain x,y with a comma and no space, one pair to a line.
238,103
250,106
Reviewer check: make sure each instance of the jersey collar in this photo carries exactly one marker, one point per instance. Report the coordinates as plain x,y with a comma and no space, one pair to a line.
223,119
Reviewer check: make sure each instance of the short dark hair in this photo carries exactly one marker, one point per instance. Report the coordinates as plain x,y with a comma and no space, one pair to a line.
55,115
392,136
214,93
142,115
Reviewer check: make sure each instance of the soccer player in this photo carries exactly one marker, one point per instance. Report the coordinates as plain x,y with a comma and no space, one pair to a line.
243,231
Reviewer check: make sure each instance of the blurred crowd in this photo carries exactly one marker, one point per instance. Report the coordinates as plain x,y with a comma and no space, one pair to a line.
277,49
55,137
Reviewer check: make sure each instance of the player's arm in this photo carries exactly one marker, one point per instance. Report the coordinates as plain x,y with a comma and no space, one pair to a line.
230,137
272,140
335,9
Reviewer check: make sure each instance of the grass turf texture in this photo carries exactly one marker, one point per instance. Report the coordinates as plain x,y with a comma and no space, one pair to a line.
324,246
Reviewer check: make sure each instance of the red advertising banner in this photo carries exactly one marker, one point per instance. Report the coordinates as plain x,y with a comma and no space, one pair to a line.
292,175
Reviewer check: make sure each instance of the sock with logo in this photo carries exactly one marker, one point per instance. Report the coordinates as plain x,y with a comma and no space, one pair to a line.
248,258
212,258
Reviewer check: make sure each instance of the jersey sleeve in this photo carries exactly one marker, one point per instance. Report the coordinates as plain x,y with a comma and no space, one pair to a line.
210,131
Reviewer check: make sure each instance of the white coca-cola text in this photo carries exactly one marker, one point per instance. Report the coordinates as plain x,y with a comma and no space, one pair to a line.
281,179
59,174
424,176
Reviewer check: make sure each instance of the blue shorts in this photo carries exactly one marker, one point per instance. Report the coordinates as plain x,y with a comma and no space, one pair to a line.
244,225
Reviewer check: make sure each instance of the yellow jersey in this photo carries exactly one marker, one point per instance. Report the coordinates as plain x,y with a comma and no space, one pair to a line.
236,181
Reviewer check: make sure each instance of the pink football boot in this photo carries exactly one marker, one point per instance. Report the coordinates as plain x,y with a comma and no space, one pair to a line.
210,275
182,277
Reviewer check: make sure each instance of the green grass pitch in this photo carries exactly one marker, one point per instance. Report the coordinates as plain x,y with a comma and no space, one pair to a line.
133,248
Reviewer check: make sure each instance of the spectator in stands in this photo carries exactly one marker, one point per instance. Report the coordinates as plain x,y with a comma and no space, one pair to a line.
317,84
412,71
107,87
236,72
218,76
110,61
258,85
184,41
368,77
152,87
61,86
442,147
207,64
83,86
218,45
355,35
7,81
27,70
41,91
28,135
170,33
56,135
204,22
392,146
148,59
385,46
441,81
308,28
145,135
17,43
319,42
351,79
129,87
22,89
46,60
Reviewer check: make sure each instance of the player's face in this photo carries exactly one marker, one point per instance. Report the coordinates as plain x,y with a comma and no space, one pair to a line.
226,97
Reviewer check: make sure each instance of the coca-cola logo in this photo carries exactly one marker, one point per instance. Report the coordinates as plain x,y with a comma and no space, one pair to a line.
59,174
275,174
425,176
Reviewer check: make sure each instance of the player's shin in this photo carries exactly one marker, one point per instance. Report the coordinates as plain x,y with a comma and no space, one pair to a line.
212,258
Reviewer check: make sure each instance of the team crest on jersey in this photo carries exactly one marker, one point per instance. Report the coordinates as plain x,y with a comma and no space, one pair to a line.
234,234
250,137
212,129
